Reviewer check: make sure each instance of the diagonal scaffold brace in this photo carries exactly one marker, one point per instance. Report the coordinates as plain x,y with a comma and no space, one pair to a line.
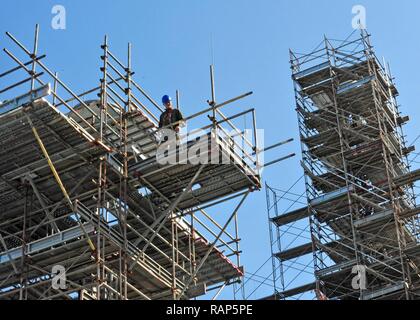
59,182
203,260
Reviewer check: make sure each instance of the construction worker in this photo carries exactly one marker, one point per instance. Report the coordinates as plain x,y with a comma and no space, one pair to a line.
171,118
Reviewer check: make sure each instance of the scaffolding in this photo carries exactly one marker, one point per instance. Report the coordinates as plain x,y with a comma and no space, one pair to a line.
82,188
357,235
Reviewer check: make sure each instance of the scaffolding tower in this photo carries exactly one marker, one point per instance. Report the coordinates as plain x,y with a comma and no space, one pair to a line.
82,189
357,236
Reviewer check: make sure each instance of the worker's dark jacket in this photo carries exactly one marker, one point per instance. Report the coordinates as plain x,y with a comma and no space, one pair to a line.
170,116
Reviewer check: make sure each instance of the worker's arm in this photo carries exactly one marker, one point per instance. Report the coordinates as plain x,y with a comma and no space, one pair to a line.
179,117
179,114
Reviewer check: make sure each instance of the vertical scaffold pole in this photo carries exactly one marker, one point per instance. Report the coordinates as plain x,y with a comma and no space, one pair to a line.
33,56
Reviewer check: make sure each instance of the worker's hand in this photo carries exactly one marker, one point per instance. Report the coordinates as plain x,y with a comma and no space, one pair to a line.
177,129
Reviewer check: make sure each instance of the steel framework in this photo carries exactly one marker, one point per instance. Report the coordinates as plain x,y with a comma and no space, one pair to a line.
81,187
359,231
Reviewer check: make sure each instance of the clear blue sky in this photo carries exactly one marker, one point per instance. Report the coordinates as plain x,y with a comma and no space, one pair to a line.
172,49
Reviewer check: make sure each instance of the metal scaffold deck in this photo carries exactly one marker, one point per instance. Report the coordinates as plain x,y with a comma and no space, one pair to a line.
82,187
358,235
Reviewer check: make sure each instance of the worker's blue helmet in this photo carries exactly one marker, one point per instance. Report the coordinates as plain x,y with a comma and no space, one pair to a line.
166,99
